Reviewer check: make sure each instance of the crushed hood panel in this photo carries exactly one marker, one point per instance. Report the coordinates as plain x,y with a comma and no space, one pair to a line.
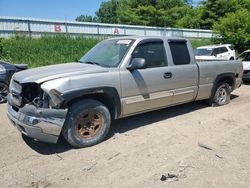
42,74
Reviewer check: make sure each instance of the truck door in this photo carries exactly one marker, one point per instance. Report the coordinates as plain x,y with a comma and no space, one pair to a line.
154,87
184,70
222,53
149,88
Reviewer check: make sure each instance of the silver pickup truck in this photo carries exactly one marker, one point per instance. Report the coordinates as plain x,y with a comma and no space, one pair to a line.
117,78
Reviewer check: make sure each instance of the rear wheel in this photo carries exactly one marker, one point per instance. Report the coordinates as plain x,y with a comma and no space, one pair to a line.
4,90
221,95
87,123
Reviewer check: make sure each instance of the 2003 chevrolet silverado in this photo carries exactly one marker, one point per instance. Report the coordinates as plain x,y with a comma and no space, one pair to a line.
117,78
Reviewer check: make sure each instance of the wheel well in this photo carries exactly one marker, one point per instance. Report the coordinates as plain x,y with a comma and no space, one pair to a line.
224,78
106,99
227,79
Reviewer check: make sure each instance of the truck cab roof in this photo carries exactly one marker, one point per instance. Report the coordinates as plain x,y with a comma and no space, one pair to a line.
146,37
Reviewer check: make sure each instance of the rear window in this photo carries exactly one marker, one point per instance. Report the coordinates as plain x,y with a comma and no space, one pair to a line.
231,48
179,52
219,50
203,51
223,50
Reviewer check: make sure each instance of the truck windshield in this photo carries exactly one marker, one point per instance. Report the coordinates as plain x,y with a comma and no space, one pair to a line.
203,51
244,56
107,53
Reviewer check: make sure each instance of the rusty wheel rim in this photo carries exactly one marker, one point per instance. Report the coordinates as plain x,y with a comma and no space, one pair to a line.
89,123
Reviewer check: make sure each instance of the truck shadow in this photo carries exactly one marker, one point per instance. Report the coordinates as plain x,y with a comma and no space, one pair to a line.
247,83
121,126
46,148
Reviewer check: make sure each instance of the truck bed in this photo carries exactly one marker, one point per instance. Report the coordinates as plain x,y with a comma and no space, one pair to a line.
209,71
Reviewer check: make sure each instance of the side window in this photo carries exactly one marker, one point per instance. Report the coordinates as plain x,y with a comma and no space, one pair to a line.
180,52
243,56
230,47
153,52
223,50
216,51
247,57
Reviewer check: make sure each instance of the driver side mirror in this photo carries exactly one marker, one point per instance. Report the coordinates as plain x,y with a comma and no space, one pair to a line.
137,63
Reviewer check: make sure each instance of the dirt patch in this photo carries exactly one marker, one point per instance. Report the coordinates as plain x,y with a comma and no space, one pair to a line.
191,145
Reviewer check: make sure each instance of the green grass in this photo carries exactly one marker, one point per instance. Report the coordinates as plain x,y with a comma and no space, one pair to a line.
49,50
44,51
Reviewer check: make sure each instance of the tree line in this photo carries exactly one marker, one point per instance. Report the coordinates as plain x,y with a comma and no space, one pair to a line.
230,19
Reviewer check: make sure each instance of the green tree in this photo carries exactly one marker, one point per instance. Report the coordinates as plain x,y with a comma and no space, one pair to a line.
86,18
192,19
235,28
167,13
107,11
143,12
213,10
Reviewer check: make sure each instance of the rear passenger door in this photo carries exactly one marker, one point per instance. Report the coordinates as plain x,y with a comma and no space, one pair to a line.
185,73
222,53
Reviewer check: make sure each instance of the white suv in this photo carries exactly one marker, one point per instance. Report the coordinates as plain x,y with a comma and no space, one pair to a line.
215,52
245,58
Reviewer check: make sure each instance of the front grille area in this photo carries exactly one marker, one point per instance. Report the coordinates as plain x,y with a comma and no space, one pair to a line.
30,91
25,93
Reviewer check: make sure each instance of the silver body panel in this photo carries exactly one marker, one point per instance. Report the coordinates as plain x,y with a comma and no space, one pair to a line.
139,90
209,70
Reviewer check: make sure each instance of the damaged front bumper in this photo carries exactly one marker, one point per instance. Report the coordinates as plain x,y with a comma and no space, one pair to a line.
38,123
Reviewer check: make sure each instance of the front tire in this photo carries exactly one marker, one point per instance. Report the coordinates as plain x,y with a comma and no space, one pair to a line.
221,95
87,123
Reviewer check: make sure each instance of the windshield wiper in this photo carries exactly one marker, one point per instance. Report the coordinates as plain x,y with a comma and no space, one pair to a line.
94,63
90,62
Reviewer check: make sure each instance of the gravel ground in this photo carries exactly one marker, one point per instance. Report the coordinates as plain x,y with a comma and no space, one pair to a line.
190,145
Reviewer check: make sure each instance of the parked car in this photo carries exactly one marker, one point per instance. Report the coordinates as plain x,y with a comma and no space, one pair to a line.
215,52
245,57
6,72
117,78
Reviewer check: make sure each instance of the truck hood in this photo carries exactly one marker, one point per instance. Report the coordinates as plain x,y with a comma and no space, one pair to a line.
46,73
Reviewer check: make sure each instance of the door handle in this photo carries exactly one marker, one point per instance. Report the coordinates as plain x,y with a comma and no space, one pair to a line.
167,75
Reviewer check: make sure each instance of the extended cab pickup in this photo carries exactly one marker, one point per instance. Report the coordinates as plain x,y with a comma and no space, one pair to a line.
117,78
